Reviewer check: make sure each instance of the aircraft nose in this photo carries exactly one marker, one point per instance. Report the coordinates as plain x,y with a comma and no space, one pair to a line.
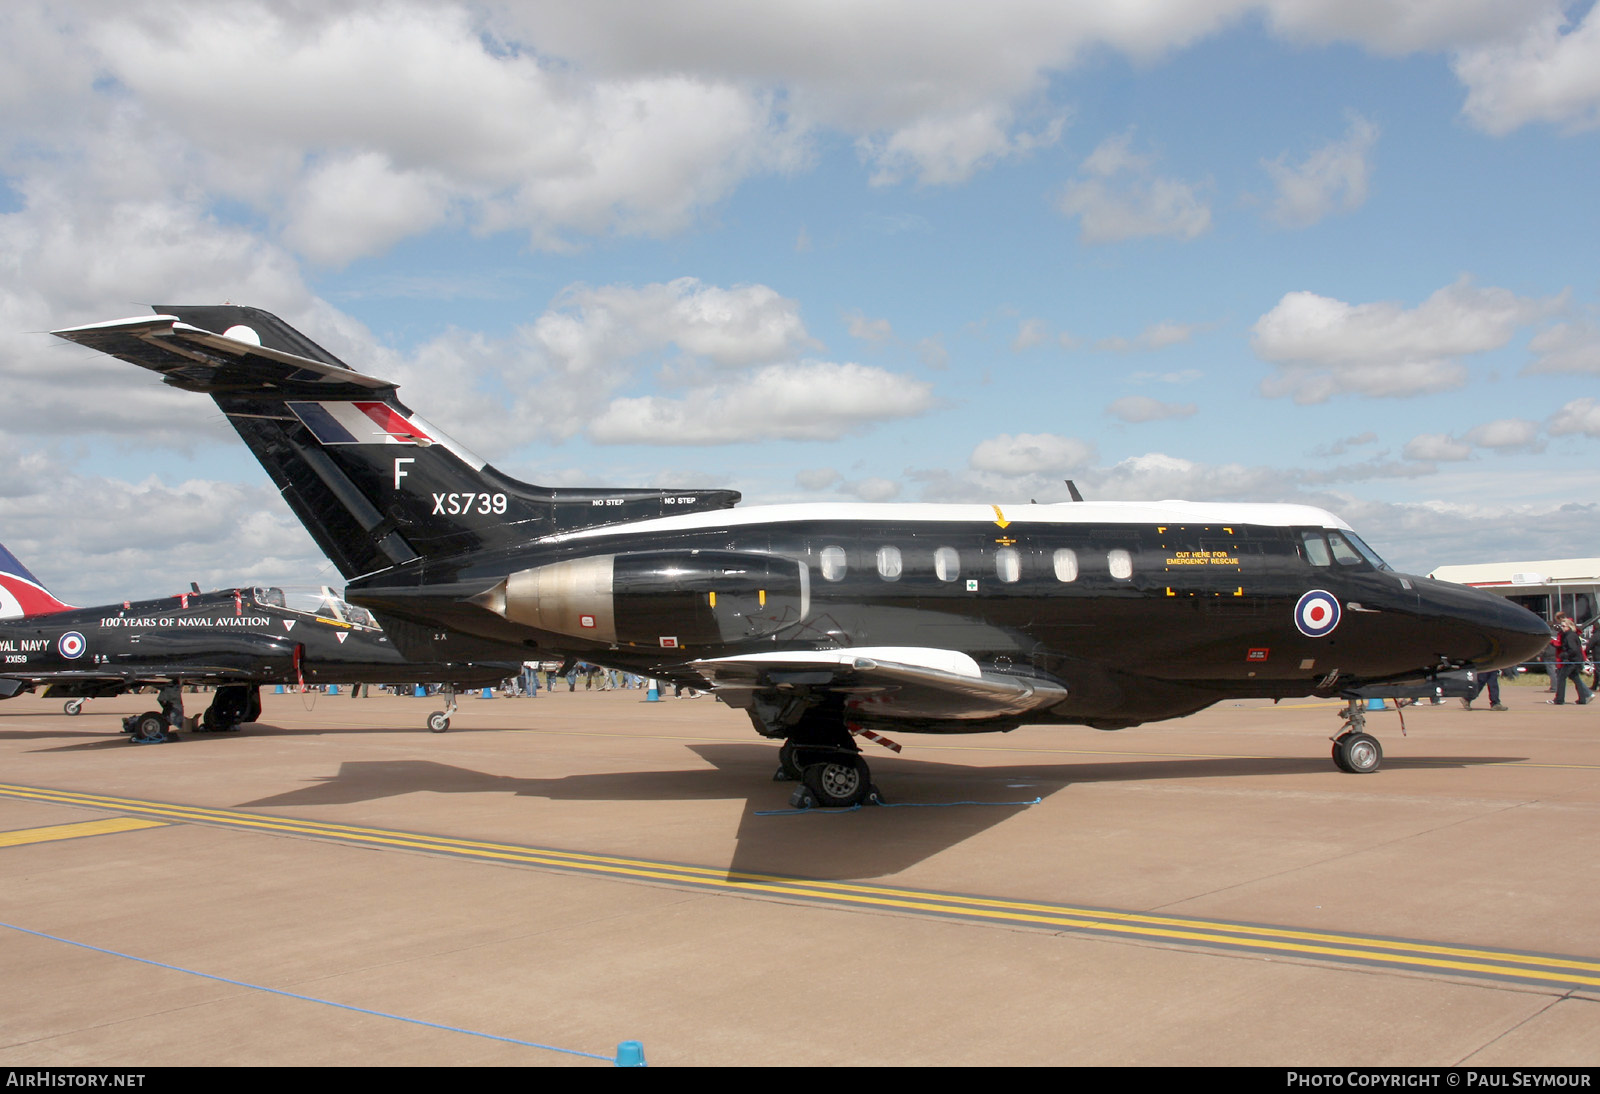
1489,631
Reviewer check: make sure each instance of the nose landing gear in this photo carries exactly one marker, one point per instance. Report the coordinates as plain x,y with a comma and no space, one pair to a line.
1355,750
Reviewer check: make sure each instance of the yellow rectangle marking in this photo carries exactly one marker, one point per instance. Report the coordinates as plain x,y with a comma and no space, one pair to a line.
73,831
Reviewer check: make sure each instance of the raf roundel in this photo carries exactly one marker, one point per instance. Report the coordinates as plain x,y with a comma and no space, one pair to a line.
71,645
1317,614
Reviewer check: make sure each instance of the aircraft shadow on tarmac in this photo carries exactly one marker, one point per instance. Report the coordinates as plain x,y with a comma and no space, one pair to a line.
92,738
933,805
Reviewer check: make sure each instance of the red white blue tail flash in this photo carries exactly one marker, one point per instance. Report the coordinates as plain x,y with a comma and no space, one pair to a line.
20,592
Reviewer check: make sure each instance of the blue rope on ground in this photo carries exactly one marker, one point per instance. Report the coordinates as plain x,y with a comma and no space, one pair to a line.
882,805
325,1002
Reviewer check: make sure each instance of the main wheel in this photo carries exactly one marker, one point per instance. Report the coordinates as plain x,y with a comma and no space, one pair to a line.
438,722
73,707
788,768
150,727
1360,753
1338,756
838,782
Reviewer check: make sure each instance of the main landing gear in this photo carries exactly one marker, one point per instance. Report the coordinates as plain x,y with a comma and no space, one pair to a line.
148,728
156,726
1354,749
233,705
820,754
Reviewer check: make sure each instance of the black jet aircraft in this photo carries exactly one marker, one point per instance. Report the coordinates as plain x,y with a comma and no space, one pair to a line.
824,621
235,639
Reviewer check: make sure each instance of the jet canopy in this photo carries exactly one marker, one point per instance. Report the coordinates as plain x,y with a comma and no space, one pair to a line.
322,604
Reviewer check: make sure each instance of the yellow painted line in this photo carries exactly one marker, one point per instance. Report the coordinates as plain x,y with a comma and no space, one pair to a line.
53,832
1391,952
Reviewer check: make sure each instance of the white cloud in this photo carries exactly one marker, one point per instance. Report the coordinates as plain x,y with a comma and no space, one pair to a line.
817,478
89,261
360,204
931,352
815,400
1142,408
1324,347
1436,446
1122,199
1566,347
1030,333
1181,376
96,540
351,126
948,149
1344,444
868,330
1550,73
355,127
872,489
1332,179
555,374
1027,453
1505,434
1578,416
1398,28
597,326
1156,336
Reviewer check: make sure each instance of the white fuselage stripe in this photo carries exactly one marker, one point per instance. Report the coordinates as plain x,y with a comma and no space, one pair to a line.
1180,513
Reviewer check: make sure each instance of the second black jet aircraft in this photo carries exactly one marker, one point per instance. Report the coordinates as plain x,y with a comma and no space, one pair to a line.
232,639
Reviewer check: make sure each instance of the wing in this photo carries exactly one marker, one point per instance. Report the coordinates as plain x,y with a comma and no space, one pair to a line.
887,683
101,682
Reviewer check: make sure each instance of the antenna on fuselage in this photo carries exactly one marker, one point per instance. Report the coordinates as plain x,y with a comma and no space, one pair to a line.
1072,488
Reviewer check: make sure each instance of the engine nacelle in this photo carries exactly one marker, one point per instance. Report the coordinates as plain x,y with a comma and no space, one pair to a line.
667,599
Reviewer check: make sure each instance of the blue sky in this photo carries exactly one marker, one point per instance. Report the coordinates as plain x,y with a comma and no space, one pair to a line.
1341,253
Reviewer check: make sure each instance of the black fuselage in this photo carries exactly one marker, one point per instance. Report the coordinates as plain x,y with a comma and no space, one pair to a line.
1140,619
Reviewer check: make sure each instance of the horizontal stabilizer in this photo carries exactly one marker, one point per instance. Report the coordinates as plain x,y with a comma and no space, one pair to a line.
223,364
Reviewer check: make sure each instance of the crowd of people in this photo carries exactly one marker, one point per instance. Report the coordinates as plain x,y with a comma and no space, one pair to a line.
1569,657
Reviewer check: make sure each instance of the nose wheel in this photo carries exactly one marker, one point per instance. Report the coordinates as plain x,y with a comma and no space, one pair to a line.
1358,753
1354,750
439,720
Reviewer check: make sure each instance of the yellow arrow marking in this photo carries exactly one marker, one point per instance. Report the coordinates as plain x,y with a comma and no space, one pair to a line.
999,517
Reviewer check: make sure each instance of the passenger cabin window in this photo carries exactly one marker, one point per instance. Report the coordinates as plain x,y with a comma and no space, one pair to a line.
947,563
1316,549
1121,563
889,563
833,564
1066,564
1008,564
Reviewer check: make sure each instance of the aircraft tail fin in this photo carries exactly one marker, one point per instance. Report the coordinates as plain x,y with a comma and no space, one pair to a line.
22,594
374,484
